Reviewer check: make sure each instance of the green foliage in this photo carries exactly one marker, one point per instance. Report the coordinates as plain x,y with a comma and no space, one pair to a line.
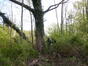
14,51
74,41
71,45
67,44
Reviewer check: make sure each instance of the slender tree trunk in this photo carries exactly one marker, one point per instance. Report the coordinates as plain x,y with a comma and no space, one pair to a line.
87,9
56,13
22,19
66,19
62,17
39,32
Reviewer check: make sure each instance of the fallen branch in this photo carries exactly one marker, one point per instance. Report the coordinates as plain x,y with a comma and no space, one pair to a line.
12,25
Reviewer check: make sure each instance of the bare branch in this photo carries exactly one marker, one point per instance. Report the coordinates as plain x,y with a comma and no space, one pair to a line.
24,5
52,7
12,25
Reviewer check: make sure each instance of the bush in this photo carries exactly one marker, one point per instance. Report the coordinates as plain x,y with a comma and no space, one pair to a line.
67,44
15,52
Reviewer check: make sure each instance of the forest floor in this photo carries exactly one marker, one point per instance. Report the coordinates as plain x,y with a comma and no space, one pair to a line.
47,60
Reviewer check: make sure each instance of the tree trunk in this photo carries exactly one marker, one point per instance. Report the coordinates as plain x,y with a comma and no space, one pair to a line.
87,9
39,32
62,17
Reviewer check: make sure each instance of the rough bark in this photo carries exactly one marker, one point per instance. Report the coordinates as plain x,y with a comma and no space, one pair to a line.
39,32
